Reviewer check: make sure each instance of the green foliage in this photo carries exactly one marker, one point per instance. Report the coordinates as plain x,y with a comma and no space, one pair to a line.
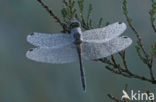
152,13
90,9
138,49
100,22
81,7
125,11
139,46
69,12
141,51
86,24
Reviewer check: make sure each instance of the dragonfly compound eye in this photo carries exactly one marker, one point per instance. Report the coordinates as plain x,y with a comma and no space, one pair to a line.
74,25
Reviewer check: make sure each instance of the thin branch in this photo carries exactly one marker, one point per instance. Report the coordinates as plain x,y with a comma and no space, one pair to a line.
139,40
148,92
148,60
65,2
81,8
116,68
123,56
119,100
115,63
128,74
152,13
151,74
129,20
51,12
113,98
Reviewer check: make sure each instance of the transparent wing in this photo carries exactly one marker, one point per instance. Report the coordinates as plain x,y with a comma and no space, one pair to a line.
104,34
101,50
62,55
49,40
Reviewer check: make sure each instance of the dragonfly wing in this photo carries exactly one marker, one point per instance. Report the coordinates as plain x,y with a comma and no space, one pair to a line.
62,55
104,34
49,40
101,50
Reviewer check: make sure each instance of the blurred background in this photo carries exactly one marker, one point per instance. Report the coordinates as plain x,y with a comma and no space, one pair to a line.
23,80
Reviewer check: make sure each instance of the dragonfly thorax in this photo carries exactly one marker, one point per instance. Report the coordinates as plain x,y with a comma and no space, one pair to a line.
76,32
76,35
77,39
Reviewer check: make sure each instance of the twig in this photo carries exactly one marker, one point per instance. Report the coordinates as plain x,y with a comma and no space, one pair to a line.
50,12
148,92
81,8
129,20
128,74
149,61
139,40
72,10
113,98
152,13
116,99
65,2
116,68
151,74
123,56
119,100
115,63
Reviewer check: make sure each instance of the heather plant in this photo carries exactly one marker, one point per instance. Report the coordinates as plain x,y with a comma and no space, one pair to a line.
73,9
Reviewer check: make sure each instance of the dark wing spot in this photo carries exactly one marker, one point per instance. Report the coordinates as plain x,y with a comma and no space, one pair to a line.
125,37
32,34
31,49
120,22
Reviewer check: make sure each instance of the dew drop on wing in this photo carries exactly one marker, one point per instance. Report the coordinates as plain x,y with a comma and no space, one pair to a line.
49,40
66,54
104,34
101,50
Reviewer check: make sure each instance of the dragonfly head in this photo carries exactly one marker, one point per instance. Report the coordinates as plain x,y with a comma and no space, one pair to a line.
75,24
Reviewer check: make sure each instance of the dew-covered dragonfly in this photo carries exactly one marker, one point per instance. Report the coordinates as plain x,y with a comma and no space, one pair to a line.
89,45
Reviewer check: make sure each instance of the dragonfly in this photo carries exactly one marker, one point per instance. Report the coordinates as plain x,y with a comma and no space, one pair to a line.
61,48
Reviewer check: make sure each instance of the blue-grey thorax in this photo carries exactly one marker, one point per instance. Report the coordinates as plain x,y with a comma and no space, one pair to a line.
76,35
